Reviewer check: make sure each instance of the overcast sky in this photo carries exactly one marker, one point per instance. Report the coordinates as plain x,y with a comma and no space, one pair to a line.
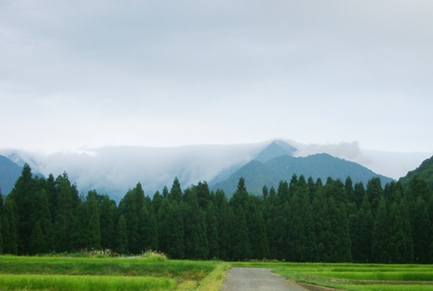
85,74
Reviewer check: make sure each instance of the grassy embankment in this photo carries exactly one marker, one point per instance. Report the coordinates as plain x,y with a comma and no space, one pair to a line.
355,276
143,273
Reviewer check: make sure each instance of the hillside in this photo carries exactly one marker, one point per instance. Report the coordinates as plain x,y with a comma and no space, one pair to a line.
270,173
424,171
9,173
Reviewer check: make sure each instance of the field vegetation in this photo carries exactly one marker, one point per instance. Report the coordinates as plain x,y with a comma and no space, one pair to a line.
156,272
92,273
348,276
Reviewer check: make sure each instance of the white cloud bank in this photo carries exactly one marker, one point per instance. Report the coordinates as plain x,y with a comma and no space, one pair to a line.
116,169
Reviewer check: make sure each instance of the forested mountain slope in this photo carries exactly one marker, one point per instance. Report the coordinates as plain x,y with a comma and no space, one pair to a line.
9,173
282,168
424,172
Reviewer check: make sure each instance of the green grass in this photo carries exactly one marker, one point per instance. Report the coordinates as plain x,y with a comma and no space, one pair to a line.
150,273
348,276
214,281
61,273
85,283
387,287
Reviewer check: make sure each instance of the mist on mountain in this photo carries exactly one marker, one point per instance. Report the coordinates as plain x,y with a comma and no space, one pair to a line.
114,170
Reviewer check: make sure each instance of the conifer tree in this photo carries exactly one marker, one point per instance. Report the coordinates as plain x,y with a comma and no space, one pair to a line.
212,231
348,187
311,188
374,193
323,231
51,188
149,228
359,193
240,197
309,243
156,202
163,227
400,241
275,225
283,190
265,192
241,248
292,185
203,194
43,227
336,190
37,241
79,232
256,229
175,231
361,227
131,208
9,227
340,229
381,234
165,192
107,218
122,236
1,222
422,232
196,243
23,196
93,223
176,191
295,237
67,203
224,221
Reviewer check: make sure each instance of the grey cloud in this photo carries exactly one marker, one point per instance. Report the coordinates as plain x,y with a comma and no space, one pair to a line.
326,66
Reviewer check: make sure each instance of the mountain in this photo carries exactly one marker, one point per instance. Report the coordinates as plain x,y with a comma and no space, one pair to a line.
9,173
114,170
424,171
275,149
257,174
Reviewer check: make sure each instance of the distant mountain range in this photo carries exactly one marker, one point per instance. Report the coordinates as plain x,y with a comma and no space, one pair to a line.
114,170
9,173
276,163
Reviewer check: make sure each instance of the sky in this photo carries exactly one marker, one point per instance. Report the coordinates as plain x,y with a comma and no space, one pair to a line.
78,75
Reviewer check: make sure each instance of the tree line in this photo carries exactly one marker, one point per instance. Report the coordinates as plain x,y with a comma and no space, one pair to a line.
301,221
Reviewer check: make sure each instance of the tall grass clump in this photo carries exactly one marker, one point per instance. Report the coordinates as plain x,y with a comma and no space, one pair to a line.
83,283
214,281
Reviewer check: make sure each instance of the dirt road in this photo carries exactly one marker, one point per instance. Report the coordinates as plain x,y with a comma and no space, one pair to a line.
257,279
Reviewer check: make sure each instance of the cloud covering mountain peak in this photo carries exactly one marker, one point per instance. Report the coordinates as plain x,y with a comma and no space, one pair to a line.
114,170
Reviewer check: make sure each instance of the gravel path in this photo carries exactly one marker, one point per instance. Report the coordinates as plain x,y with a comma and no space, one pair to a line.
257,279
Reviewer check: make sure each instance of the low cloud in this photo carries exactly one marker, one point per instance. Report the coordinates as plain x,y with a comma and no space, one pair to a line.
114,170
344,150
391,164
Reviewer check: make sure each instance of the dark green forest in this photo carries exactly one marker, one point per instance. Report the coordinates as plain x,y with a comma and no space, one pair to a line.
301,221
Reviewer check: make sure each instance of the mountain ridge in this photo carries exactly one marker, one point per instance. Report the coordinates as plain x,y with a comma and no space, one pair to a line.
114,170
424,171
270,173
9,173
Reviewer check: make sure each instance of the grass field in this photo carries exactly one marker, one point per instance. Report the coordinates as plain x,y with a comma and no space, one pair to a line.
355,276
156,273
61,273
